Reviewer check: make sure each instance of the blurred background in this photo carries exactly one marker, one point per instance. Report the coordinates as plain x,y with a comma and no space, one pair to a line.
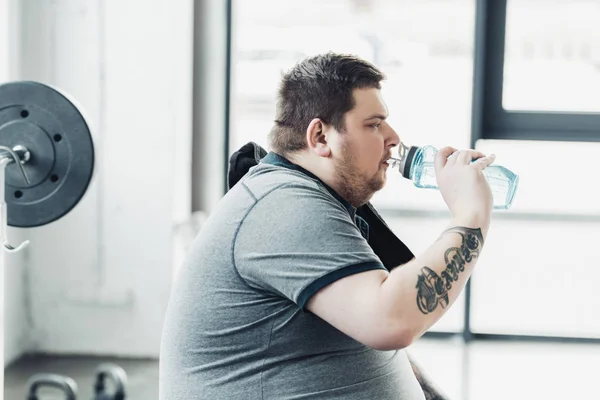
172,88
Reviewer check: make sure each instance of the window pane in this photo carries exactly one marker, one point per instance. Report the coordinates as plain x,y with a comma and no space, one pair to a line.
554,177
538,277
552,58
537,274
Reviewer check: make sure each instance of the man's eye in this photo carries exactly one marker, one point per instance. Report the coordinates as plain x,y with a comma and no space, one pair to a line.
377,125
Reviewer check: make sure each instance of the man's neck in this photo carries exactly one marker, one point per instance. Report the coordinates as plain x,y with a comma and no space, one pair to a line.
318,169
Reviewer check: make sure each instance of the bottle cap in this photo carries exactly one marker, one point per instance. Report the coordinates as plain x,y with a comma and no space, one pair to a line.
405,158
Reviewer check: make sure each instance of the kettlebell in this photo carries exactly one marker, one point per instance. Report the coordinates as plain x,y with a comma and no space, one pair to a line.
64,383
117,375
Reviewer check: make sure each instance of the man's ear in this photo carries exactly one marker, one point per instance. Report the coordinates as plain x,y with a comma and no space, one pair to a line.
316,138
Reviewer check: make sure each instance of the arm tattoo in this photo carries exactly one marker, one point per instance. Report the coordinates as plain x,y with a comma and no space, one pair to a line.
433,289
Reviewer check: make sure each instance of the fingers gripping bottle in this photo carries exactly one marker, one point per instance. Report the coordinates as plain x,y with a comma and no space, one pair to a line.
417,164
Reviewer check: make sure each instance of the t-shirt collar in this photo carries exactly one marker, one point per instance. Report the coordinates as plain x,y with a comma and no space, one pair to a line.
280,161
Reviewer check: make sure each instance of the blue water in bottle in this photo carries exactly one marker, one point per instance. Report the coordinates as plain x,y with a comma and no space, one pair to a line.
417,164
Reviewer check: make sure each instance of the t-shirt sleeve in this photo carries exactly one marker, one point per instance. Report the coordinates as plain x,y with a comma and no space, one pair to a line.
298,239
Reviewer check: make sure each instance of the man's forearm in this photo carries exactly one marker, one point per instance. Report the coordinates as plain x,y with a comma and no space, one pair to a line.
419,294
431,391
432,288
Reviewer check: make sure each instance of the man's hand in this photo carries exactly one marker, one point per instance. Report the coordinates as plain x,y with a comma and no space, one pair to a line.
463,185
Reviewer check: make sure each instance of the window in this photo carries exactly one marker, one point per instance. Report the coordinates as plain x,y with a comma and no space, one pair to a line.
537,272
552,58
539,264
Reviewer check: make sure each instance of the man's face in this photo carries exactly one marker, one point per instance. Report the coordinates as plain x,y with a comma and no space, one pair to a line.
363,147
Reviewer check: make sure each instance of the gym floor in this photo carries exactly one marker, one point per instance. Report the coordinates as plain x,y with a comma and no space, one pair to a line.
487,370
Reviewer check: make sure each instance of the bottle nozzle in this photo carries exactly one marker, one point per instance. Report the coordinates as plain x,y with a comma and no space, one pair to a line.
394,162
402,153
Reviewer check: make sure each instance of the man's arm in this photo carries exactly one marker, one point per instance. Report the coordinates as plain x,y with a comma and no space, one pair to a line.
389,311
431,391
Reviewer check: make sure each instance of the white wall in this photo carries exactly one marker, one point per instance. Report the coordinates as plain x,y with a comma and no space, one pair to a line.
16,315
99,278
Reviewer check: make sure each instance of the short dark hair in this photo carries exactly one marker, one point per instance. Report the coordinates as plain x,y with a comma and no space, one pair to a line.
322,87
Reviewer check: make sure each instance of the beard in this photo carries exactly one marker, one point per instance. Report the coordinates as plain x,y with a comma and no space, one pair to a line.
354,185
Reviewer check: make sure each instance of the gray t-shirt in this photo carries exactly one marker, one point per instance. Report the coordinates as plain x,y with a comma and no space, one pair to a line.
236,326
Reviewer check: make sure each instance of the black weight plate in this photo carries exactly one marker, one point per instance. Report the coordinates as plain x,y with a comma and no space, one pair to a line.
61,164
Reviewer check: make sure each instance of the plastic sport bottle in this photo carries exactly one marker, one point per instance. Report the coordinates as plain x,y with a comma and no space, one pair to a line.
417,164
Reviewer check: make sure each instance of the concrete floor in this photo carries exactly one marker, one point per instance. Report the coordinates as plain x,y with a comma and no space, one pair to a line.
142,376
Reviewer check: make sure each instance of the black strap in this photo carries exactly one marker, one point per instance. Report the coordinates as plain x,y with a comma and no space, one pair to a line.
242,160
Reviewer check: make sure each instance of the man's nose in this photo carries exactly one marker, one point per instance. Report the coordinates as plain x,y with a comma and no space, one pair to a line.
393,138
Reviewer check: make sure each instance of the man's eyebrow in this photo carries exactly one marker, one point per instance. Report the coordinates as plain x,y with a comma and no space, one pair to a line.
378,116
